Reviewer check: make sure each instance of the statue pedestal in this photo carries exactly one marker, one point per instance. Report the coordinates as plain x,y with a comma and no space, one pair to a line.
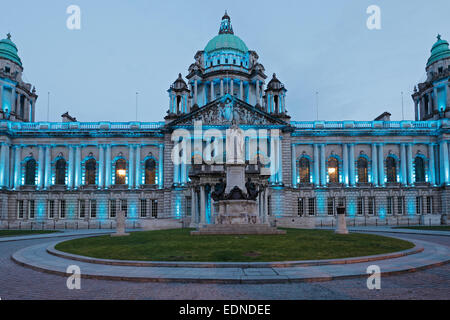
235,177
341,226
237,212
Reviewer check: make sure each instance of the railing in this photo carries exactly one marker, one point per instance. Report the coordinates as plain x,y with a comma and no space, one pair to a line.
365,124
80,126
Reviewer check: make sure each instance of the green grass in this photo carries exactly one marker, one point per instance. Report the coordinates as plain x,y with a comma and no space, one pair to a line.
434,228
179,245
11,233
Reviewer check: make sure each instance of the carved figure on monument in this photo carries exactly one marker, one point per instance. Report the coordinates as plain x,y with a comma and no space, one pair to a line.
252,191
219,190
235,194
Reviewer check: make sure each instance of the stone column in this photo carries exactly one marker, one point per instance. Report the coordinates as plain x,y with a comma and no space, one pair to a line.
444,163
381,165
316,179
280,160
352,165
409,161
403,165
266,206
323,175
374,165
432,178
257,92
161,167
416,110
221,87
241,90
71,160
293,166
17,167
138,166
131,172
195,92
77,166
212,90
101,167
202,206
345,163
1,97
3,159
193,209
231,86
48,168
108,166
41,172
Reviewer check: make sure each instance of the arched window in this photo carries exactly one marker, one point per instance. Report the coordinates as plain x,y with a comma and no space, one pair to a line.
391,169
121,171
60,172
150,171
30,172
304,170
333,170
91,168
362,165
419,169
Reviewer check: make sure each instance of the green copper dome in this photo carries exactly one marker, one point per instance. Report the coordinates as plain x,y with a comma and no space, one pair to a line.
226,38
8,50
226,41
439,51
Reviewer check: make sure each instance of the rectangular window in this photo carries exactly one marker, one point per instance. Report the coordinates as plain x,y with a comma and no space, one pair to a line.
188,206
269,207
301,207
419,205
143,208
93,208
330,206
390,205
62,209
371,208
124,206
112,208
312,206
51,209
400,205
82,208
31,209
20,209
360,205
155,208
430,204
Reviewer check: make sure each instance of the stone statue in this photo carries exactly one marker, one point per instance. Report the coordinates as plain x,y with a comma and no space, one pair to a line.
219,190
252,191
235,145
120,225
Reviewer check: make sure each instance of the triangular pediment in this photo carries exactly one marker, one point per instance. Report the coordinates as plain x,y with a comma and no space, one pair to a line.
225,111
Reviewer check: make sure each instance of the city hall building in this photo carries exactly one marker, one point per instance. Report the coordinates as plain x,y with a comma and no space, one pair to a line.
80,174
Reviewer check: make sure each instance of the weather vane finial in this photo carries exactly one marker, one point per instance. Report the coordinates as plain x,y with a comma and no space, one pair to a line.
8,35
439,36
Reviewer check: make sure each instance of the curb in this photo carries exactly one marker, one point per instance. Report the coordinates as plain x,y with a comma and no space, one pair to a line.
282,264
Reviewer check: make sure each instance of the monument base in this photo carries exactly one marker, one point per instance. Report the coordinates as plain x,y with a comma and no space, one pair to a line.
237,229
236,212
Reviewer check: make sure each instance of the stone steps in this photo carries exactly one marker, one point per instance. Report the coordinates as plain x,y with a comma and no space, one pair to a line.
237,229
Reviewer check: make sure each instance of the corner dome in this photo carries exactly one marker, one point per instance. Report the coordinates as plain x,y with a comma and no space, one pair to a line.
226,38
439,51
8,50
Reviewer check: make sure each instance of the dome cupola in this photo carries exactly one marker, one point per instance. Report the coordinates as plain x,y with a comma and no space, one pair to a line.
439,51
8,50
226,39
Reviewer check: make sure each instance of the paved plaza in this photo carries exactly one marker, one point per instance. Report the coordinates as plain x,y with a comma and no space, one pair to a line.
17,282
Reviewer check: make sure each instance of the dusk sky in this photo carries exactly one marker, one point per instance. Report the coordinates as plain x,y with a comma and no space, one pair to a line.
125,47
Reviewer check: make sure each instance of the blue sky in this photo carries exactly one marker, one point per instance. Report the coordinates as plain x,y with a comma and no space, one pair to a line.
125,47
